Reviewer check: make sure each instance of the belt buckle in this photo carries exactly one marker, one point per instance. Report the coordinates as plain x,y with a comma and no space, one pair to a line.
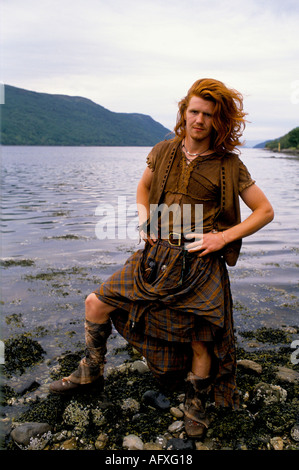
178,240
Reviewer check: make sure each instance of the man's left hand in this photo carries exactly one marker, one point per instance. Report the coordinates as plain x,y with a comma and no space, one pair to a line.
206,242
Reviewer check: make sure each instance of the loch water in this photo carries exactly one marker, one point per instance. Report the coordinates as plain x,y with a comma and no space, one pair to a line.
54,251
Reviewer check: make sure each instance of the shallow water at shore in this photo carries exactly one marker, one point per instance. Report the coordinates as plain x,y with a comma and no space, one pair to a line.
52,258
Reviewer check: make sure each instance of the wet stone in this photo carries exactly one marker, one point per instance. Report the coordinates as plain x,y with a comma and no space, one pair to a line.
201,446
250,365
130,405
276,443
27,386
269,394
25,433
139,366
287,375
132,442
69,444
101,441
295,432
156,399
176,412
152,446
180,444
177,426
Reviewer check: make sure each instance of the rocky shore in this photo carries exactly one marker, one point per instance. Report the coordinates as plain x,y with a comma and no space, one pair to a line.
132,413
292,151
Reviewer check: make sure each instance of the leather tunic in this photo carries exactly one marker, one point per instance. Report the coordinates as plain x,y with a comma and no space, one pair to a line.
215,181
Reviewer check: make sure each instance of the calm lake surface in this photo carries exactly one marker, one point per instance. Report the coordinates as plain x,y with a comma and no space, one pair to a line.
52,198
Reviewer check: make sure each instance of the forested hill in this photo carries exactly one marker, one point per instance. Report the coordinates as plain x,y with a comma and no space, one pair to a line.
290,142
31,118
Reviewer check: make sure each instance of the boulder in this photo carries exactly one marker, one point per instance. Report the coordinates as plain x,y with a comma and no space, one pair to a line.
24,434
250,365
132,442
285,374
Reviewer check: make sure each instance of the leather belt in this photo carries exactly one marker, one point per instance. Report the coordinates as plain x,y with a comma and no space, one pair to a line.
176,239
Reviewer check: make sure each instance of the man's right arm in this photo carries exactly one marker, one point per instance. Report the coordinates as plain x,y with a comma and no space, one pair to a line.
143,206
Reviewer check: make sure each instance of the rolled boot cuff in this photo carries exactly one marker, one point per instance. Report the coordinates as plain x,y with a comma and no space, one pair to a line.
199,384
86,373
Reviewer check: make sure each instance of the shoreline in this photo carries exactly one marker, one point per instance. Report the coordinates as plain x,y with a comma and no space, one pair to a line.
292,152
120,419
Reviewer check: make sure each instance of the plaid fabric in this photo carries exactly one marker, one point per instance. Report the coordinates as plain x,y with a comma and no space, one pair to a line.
164,299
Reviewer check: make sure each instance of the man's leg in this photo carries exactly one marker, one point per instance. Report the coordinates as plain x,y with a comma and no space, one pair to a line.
201,361
97,311
97,331
197,391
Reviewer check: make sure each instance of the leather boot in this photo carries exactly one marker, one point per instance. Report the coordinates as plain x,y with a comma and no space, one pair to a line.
197,393
91,367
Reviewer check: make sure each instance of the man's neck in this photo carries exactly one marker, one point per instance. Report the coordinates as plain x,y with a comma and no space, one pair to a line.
196,146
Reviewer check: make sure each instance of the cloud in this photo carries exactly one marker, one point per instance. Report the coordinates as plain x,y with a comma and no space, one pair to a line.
142,56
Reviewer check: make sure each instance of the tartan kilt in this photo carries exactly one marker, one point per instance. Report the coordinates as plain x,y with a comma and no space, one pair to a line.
161,307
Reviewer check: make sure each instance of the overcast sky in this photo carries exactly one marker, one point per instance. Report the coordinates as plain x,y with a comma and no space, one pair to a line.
143,55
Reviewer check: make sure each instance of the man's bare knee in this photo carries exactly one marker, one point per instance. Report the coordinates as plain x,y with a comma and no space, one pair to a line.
96,310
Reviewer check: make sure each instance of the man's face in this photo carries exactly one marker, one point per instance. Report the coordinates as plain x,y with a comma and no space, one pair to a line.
199,119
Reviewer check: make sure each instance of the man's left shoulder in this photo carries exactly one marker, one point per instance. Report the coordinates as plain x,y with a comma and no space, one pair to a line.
232,156
231,159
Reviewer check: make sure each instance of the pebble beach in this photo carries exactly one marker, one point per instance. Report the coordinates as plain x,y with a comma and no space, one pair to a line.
128,416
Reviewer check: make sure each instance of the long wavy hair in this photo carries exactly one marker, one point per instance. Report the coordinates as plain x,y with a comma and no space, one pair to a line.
228,116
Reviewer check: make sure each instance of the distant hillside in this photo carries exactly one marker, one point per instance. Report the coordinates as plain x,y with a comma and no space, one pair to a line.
30,118
290,141
261,145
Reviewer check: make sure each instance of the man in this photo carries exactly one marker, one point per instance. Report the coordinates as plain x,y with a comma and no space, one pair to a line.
172,299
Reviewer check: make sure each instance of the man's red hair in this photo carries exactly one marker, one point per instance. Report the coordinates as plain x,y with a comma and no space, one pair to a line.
228,116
